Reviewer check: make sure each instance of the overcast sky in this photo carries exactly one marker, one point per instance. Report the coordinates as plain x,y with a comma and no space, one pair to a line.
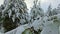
44,3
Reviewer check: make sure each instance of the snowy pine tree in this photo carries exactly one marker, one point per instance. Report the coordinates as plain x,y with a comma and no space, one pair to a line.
49,11
37,15
1,19
36,10
12,12
58,9
54,11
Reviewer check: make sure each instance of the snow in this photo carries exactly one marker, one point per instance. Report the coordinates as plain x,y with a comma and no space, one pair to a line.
1,33
10,13
22,21
38,24
51,29
13,18
2,30
38,21
47,28
19,29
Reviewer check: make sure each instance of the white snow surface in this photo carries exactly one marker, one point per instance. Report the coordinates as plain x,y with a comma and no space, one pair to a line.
1,33
51,27
19,29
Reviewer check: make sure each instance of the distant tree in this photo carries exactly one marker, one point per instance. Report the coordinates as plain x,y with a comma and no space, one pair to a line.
54,11
58,9
49,11
36,14
36,10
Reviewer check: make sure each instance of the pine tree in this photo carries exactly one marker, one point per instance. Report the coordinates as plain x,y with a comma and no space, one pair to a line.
36,10
36,14
12,12
1,19
49,11
54,11
58,9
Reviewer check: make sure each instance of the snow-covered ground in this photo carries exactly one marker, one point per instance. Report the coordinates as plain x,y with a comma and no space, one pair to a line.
49,27
19,29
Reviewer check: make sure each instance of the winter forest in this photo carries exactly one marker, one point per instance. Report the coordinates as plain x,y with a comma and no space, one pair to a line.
16,19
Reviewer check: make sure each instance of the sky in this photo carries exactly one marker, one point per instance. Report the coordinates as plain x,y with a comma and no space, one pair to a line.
44,3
